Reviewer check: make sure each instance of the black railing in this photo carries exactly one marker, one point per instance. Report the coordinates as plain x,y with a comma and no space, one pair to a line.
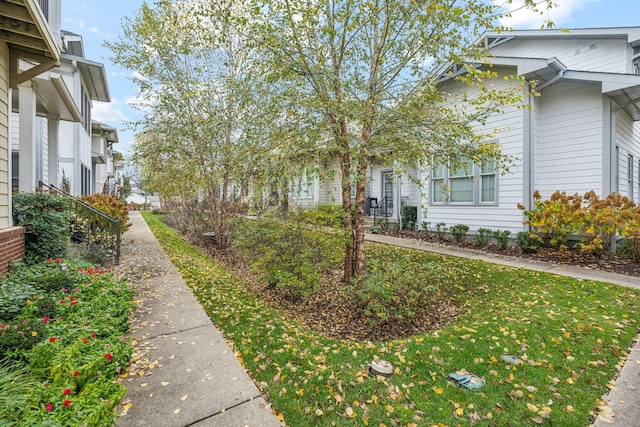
91,226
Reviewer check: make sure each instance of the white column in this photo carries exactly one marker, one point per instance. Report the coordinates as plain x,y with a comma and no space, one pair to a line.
54,155
27,133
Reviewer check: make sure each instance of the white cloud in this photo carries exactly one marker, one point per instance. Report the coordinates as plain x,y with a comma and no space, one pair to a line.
83,26
560,14
108,112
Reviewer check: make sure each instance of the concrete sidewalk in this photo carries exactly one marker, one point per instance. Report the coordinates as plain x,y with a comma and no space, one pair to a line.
623,400
183,373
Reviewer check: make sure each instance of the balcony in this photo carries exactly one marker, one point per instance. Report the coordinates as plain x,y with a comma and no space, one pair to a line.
44,7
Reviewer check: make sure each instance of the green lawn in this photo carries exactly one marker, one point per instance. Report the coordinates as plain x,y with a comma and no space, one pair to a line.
569,333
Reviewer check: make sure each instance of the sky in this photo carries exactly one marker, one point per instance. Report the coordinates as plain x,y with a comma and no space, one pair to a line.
99,21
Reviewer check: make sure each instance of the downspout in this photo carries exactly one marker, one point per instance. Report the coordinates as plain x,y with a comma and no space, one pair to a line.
552,81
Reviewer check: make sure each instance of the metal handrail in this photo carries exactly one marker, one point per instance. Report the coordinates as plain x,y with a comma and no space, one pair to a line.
96,219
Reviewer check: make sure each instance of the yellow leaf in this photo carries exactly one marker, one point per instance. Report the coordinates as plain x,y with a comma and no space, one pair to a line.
349,411
281,416
459,412
389,408
570,409
567,334
439,390
532,407
570,380
300,392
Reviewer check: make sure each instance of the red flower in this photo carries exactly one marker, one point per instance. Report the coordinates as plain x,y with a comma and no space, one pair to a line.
66,403
108,356
85,340
58,260
74,302
93,335
76,373
53,339
49,406
61,301
72,297
67,391
49,261
45,319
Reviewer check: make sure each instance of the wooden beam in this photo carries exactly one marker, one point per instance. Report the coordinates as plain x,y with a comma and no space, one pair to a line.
27,75
15,11
19,27
19,40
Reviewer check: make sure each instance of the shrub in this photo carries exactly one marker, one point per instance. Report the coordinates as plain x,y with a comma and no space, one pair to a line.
111,206
502,238
47,276
441,230
528,241
397,290
13,298
459,232
322,214
483,235
289,255
20,335
409,217
46,220
383,223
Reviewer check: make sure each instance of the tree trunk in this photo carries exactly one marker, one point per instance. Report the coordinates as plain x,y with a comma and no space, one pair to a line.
359,254
348,223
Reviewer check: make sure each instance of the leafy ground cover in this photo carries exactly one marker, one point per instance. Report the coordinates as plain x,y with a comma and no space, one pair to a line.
568,336
62,344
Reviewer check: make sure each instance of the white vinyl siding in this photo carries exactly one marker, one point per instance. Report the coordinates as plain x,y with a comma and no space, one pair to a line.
569,147
503,214
4,137
585,54
627,142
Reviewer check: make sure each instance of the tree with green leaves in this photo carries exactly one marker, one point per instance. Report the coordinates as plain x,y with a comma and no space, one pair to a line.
370,77
198,78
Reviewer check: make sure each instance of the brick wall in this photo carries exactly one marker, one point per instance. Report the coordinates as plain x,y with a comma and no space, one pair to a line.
11,246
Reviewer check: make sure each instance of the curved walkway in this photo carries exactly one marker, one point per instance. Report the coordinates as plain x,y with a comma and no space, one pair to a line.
184,374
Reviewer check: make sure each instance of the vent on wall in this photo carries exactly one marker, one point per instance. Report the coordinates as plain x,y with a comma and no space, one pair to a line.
586,48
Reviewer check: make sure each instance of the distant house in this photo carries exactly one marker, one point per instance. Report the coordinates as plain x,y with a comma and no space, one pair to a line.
29,34
106,170
580,134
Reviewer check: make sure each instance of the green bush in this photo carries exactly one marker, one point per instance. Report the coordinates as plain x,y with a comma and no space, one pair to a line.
46,220
459,232
441,230
20,335
322,214
13,298
502,237
483,235
290,255
528,241
409,217
47,276
397,290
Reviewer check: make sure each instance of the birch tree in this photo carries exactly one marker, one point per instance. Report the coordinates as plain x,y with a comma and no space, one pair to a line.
365,74
198,79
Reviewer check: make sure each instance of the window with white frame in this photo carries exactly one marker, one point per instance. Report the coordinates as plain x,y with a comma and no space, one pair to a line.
302,187
461,184
468,184
438,190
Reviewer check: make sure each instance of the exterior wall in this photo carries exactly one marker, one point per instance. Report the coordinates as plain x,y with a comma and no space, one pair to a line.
11,246
330,187
628,143
5,152
569,147
585,54
504,214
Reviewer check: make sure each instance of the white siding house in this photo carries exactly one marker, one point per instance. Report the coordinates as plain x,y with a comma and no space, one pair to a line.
580,134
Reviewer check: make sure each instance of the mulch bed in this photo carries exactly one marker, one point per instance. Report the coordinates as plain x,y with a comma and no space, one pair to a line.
333,310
